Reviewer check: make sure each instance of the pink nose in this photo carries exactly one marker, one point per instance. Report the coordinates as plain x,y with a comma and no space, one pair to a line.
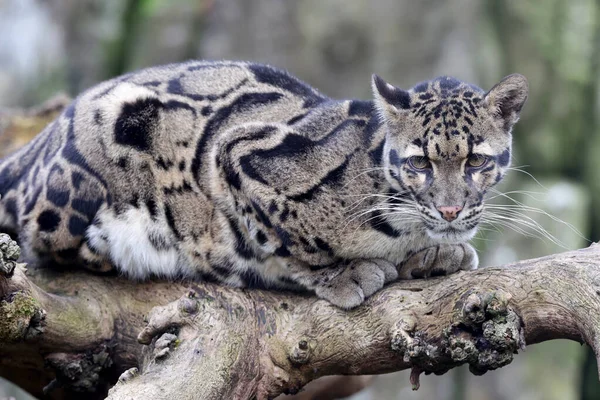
449,213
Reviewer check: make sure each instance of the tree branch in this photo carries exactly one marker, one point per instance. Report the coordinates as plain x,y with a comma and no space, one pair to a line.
241,344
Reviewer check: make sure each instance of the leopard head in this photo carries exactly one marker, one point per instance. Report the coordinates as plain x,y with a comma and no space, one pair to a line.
447,143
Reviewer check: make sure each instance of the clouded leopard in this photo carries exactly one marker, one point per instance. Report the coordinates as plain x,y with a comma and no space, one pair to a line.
240,173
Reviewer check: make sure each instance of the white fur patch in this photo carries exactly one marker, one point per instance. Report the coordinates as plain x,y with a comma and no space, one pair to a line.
124,92
124,239
483,148
413,150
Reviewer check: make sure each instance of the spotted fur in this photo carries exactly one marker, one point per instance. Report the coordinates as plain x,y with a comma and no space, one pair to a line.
242,174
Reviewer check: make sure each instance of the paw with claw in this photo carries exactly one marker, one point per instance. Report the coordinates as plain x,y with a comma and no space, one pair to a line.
443,259
359,280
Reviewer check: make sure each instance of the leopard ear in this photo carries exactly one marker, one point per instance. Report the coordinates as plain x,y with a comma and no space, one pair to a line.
506,99
389,98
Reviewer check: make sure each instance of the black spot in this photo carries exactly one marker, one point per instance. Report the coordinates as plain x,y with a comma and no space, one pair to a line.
232,177
152,207
241,246
323,245
285,81
376,154
76,179
67,254
282,251
32,202
370,129
402,99
174,105
421,87
318,267
12,209
158,241
123,162
182,165
164,163
152,83
417,142
223,268
425,96
262,217
89,208
360,107
332,178
98,117
504,158
272,208
59,198
261,238
136,123
379,223
297,118
206,111
284,215
77,226
448,83
70,111
171,222
394,158
175,87
284,236
48,221
253,280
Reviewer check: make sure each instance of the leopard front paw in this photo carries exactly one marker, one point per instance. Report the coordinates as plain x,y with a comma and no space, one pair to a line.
359,280
442,259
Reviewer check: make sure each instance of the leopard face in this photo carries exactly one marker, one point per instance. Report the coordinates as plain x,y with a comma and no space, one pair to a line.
447,143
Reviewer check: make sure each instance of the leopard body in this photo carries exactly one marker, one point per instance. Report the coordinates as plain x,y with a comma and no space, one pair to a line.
240,173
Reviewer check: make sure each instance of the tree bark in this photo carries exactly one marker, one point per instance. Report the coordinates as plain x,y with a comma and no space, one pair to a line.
199,340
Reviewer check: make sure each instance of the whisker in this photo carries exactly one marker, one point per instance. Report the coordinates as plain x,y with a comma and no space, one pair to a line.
528,174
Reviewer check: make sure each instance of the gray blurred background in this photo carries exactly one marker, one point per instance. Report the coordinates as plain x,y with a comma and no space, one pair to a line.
52,46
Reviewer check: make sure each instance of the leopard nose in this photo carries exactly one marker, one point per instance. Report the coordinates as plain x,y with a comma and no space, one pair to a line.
449,213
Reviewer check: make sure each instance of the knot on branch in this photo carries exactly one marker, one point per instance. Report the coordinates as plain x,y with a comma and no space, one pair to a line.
164,344
9,254
300,353
78,372
414,346
169,318
486,332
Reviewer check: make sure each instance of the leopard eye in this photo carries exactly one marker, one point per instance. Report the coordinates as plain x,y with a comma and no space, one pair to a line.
419,162
477,160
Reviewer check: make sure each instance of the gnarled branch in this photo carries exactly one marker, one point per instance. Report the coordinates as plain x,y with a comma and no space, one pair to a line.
219,342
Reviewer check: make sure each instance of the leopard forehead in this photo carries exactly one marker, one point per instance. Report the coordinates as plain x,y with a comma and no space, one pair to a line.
446,121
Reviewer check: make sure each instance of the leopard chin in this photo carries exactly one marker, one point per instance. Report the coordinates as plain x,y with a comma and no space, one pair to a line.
451,235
